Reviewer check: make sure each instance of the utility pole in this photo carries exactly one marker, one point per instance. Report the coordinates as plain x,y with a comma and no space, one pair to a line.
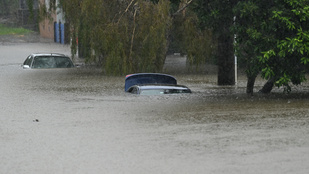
235,56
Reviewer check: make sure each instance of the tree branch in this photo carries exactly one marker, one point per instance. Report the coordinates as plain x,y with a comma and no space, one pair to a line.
182,8
125,11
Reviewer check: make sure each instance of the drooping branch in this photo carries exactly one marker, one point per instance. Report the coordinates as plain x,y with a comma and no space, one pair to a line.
132,40
182,8
125,10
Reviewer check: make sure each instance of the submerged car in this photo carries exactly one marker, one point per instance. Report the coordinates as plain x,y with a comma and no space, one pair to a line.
47,60
153,84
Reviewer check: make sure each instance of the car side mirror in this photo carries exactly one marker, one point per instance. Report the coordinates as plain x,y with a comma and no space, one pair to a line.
26,67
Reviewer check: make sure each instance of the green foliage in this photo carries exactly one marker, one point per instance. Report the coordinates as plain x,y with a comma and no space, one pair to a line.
272,38
198,43
132,35
253,31
213,14
122,36
188,38
151,34
291,51
12,31
217,16
44,12
31,8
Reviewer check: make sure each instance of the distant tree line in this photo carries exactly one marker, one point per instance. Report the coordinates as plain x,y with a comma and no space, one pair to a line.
270,38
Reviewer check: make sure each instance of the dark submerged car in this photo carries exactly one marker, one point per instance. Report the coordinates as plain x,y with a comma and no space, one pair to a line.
47,60
153,84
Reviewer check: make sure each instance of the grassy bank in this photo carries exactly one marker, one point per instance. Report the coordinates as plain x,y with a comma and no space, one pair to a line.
4,30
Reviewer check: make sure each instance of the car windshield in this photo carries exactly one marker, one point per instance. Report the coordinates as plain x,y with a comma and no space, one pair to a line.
163,91
52,62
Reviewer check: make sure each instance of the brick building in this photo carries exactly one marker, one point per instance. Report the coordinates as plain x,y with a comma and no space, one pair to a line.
53,28
46,26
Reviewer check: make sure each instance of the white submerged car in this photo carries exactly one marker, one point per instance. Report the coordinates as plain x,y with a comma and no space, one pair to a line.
153,84
47,60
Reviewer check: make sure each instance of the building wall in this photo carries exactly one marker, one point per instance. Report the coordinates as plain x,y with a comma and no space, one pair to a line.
46,26
60,17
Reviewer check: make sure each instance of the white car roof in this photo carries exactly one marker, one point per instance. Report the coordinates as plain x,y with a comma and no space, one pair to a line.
145,87
48,54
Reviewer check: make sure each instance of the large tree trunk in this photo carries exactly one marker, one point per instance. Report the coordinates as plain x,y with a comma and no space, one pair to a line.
250,84
268,86
226,74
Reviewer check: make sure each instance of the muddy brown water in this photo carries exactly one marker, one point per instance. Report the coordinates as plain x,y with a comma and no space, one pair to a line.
80,121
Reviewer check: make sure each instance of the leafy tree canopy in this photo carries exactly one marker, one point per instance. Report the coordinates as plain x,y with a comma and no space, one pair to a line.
288,57
217,15
127,36
272,37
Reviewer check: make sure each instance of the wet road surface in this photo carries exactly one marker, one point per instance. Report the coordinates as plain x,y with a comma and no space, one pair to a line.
80,121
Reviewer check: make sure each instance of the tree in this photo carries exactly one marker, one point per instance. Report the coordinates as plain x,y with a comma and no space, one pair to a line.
287,59
272,39
127,36
123,36
218,16
187,37
254,31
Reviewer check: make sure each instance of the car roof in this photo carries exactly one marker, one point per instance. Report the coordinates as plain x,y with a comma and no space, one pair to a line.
149,78
160,86
48,54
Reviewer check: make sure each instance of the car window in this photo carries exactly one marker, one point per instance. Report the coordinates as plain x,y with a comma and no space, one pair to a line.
52,62
28,60
152,91
176,91
43,62
134,90
63,62
163,91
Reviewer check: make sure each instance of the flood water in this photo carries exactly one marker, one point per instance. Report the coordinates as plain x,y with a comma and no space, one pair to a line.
81,121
